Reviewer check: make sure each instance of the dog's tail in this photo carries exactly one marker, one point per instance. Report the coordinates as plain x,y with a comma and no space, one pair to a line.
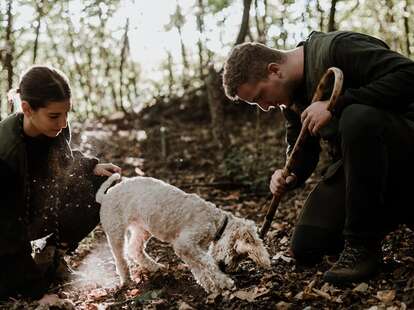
101,192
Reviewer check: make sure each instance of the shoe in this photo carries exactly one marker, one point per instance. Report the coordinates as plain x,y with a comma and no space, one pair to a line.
62,272
51,263
357,262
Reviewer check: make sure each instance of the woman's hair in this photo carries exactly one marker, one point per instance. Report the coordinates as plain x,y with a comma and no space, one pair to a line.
40,85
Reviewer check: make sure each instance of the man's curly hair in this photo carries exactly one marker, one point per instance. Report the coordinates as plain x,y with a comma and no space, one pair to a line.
247,62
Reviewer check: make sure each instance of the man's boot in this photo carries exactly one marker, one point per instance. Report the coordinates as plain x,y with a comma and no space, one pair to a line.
358,261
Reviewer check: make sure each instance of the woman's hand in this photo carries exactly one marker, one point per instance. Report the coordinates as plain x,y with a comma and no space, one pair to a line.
106,169
316,116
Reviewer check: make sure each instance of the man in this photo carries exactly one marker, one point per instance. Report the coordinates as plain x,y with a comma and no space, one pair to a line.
370,134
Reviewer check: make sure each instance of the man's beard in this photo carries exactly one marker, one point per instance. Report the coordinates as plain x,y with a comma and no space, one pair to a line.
294,89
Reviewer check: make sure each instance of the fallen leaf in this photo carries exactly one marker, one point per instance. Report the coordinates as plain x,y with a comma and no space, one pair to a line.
91,307
250,295
284,240
232,196
132,293
386,296
98,293
322,294
361,287
184,306
49,301
281,305
280,255
211,298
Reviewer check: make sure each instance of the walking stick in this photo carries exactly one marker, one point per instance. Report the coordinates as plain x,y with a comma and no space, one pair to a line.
292,159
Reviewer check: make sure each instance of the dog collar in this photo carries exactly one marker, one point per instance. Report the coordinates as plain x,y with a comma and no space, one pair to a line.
221,229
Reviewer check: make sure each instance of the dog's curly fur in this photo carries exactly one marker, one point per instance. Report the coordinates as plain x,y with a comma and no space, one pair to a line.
149,207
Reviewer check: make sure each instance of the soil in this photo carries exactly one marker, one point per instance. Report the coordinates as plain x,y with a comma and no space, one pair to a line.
184,154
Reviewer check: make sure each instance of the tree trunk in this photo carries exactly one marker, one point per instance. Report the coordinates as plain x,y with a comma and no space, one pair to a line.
39,9
186,66
8,60
390,20
407,27
200,28
84,86
331,23
124,51
322,17
216,98
171,80
244,27
260,24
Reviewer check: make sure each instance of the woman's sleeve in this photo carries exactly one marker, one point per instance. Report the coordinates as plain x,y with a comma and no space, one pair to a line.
82,164
20,273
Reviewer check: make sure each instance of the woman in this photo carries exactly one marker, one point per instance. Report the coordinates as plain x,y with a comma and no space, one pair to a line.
46,188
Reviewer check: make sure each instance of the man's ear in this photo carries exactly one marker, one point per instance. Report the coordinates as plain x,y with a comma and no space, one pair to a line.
273,69
27,109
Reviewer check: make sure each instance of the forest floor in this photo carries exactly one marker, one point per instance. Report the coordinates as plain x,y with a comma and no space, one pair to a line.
237,182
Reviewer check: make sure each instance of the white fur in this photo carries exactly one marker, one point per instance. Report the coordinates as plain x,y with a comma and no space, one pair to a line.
149,207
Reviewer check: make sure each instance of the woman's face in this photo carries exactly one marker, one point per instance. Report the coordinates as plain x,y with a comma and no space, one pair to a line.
48,121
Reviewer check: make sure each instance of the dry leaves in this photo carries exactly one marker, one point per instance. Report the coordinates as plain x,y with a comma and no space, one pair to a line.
280,255
250,295
361,287
386,296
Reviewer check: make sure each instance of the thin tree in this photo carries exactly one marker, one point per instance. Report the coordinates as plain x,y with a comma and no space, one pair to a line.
244,26
124,55
39,11
200,28
407,27
332,12
10,48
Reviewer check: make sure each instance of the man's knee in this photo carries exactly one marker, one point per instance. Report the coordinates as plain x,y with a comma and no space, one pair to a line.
310,243
359,122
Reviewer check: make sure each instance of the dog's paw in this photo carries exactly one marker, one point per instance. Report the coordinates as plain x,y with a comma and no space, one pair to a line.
151,268
226,283
126,283
154,267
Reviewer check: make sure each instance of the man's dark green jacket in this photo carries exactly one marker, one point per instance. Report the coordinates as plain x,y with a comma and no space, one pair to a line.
373,75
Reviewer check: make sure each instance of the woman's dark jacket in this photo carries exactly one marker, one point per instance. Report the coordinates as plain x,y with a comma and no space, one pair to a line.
15,202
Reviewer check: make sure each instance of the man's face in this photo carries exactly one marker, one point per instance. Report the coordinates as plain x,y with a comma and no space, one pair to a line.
267,93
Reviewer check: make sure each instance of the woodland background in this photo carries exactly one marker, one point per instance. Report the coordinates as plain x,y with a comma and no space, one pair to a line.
172,121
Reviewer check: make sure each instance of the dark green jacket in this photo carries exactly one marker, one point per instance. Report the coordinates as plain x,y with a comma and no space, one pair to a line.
14,202
373,75
22,274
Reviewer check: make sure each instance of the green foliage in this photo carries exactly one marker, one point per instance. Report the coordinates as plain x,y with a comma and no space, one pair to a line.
176,20
242,166
81,38
218,5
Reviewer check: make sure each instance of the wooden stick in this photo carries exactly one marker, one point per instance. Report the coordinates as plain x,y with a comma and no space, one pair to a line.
291,163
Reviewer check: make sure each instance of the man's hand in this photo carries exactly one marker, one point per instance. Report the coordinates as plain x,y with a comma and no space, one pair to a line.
106,169
278,183
316,116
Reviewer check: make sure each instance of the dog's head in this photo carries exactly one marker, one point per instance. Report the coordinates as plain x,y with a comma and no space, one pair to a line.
239,240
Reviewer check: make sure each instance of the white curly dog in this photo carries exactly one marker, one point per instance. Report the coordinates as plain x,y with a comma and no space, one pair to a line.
202,235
